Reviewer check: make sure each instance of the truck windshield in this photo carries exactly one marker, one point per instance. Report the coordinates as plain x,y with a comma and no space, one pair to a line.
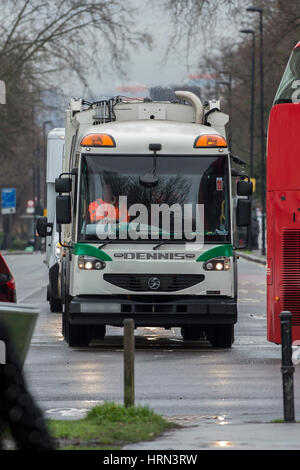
112,198
290,81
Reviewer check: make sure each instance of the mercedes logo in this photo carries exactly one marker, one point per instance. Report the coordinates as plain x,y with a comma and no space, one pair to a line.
154,283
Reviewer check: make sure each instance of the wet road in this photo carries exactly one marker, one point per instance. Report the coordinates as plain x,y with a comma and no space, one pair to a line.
176,379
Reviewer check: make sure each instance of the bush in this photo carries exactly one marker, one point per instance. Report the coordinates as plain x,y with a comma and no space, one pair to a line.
110,411
19,244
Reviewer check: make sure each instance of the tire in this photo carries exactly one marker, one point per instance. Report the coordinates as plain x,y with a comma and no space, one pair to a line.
98,331
79,335
191,332
55,305
221,336
75,335
65,302
53,295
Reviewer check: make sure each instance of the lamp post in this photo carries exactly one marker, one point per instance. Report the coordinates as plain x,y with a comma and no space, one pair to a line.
229,85
262,126
252,32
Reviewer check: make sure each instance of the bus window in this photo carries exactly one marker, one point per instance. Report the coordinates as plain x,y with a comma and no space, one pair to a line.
287,85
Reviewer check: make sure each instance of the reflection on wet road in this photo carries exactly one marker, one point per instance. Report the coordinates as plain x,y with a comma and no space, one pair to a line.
176,378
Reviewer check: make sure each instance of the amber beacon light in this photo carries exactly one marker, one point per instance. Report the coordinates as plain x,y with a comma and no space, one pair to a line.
210,141
98,140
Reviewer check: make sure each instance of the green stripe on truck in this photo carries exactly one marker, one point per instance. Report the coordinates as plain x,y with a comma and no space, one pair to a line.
90,250
223,250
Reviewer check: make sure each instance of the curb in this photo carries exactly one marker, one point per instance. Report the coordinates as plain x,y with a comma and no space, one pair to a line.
255,259
17,252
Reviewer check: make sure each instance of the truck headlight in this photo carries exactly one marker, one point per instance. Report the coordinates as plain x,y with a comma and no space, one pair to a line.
58,250
89,263
217,264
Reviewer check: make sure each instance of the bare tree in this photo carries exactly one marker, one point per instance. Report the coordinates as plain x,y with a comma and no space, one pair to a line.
44,42
41,37
281,33
195,20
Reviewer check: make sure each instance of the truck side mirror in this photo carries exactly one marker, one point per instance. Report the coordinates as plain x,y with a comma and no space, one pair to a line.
42,227
243,213
63,185
63,209
244,188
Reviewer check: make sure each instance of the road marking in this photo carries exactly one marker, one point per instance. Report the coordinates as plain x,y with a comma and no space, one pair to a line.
75,413
258,317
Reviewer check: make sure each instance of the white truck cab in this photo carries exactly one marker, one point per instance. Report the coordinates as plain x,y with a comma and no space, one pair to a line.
145,213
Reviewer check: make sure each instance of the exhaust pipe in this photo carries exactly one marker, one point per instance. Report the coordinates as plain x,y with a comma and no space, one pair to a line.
195,101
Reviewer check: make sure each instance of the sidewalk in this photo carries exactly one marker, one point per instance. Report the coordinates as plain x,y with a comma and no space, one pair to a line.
226,435
255,256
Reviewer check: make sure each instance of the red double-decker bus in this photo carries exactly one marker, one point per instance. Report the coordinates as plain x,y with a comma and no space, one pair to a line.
283,202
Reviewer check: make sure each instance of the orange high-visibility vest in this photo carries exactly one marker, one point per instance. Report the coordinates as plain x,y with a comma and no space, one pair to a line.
108,211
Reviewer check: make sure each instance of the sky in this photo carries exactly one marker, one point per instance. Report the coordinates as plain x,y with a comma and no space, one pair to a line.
151,67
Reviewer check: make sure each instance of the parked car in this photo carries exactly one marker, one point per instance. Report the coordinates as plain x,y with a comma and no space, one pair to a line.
7,283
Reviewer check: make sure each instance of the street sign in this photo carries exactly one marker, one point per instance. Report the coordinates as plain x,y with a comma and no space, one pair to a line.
8,201
30,209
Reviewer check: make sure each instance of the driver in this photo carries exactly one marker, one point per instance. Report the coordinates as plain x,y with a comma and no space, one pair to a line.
107,208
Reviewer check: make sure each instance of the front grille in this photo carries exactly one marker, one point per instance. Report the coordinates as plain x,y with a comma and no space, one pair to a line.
142,282
291,273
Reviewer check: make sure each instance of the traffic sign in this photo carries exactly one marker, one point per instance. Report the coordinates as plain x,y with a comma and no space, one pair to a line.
8,201
30,207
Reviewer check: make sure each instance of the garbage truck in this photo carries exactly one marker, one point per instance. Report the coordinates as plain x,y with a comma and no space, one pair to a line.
147,206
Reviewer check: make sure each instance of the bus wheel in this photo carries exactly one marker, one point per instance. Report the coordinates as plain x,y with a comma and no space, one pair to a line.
191,332
221,336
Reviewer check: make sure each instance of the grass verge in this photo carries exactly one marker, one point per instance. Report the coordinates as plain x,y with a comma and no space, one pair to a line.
109,426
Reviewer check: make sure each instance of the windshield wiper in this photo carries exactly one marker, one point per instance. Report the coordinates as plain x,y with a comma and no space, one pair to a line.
174,242
115,240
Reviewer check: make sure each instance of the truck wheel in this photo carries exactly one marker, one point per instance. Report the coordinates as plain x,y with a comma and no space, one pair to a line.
53,296
55,305
75,335
65,302
78,335
191,332
221,336
98,331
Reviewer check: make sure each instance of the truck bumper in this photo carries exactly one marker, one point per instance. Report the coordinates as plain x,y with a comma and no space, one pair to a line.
97,310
